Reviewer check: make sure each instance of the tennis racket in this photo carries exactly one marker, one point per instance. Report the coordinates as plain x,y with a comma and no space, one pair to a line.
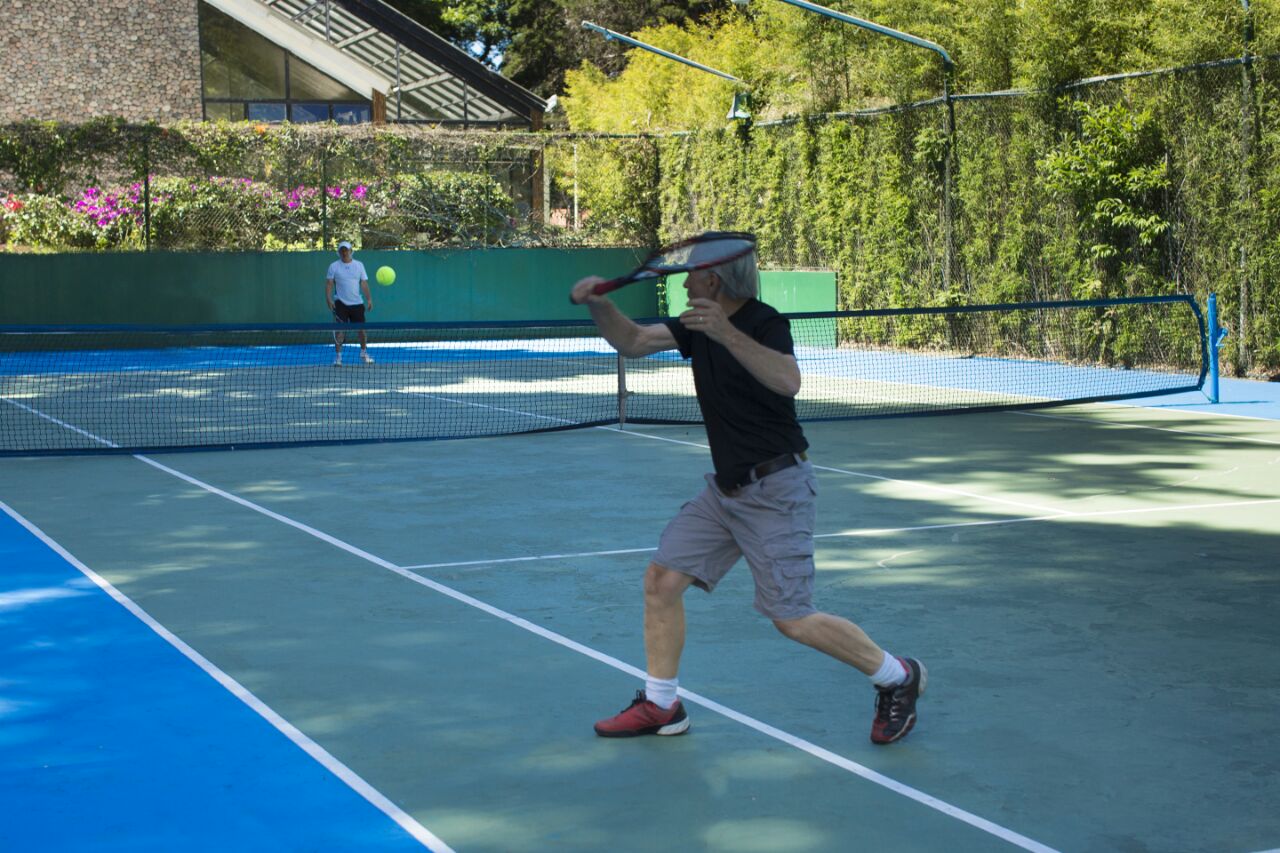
697,253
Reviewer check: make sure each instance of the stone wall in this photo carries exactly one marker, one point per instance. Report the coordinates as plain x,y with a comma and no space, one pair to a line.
69,60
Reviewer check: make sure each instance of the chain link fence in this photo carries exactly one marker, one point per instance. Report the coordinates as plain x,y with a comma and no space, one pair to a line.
109,186
1143,184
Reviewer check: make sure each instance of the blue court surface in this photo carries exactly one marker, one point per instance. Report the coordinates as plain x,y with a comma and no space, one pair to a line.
111,738
116,734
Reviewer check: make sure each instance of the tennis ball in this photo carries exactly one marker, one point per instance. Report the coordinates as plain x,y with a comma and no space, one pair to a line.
385,275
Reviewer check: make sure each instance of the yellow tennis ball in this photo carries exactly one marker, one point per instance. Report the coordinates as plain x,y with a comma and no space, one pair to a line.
385,275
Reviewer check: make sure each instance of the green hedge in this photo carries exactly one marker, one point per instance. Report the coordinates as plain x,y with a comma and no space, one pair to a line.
1125,188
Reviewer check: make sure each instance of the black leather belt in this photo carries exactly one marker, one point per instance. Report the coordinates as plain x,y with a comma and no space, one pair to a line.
764,469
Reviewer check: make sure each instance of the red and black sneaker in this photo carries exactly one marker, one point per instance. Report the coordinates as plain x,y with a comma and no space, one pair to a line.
642,717
896,706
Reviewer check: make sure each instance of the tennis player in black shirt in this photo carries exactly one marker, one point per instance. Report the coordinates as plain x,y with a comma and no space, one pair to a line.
758,505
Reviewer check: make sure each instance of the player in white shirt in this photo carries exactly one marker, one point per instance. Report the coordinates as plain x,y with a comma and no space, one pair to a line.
352,298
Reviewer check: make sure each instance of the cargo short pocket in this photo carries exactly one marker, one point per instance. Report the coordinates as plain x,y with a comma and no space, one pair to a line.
792,554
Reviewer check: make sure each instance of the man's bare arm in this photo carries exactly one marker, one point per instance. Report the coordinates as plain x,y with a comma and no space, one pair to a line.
624,334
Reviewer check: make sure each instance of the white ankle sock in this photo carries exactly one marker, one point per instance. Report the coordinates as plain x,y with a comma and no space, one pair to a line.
661,691
891,672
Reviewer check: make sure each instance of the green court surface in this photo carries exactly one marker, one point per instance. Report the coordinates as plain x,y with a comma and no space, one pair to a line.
1093,589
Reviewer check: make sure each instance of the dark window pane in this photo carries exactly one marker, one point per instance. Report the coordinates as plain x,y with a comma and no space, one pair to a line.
266,112
304,113
227,112
307,83
352,113
236,61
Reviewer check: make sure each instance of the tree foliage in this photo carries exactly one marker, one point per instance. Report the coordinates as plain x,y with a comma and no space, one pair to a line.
798,63
534,42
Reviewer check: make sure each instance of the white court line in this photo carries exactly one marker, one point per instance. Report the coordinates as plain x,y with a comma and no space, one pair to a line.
463,563
915,483
884,531
1117,404
812,749
1070,516
62,424
1096,422
489,407
946,490
235,688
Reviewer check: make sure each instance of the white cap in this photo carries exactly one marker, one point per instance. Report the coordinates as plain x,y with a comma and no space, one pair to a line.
343,245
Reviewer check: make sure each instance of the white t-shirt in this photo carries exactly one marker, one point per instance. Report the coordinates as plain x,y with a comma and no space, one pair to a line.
347,277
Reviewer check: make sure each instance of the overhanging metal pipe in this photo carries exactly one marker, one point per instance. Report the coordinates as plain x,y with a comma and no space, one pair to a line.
611,35
876,28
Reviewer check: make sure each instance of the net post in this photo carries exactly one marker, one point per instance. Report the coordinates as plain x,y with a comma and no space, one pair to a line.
622,391
1217,335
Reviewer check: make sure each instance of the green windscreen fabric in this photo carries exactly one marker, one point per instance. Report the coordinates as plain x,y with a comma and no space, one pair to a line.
788,291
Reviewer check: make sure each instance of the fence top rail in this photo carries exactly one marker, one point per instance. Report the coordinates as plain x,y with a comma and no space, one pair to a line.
1249,59
539,139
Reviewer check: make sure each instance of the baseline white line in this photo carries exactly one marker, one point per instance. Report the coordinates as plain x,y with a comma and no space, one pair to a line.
816,751
236,689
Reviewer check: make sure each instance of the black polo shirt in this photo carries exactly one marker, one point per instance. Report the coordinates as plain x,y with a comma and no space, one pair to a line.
746,422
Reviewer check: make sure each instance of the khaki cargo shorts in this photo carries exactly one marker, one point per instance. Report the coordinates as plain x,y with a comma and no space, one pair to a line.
769,522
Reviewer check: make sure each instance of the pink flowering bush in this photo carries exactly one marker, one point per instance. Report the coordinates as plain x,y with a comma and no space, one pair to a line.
45,223
212,213
240,214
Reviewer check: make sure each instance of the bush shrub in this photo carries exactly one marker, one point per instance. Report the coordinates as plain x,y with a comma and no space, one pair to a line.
219,213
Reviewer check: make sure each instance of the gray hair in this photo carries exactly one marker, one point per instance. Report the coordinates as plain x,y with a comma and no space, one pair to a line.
741,277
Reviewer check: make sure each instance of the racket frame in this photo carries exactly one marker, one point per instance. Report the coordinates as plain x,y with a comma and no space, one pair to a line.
649,270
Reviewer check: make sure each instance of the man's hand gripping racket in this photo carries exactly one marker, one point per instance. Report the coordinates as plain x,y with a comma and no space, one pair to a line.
697,253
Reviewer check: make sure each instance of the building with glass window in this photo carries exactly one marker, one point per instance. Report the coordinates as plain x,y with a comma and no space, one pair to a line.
347,61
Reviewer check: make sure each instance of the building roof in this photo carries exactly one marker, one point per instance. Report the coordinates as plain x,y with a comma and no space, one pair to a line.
430,80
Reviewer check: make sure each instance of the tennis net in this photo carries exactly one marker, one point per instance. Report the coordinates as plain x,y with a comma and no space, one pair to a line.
103,389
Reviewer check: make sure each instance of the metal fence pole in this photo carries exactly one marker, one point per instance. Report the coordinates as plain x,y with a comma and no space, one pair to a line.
324,199
948,178
1246,187
146,190
546,185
